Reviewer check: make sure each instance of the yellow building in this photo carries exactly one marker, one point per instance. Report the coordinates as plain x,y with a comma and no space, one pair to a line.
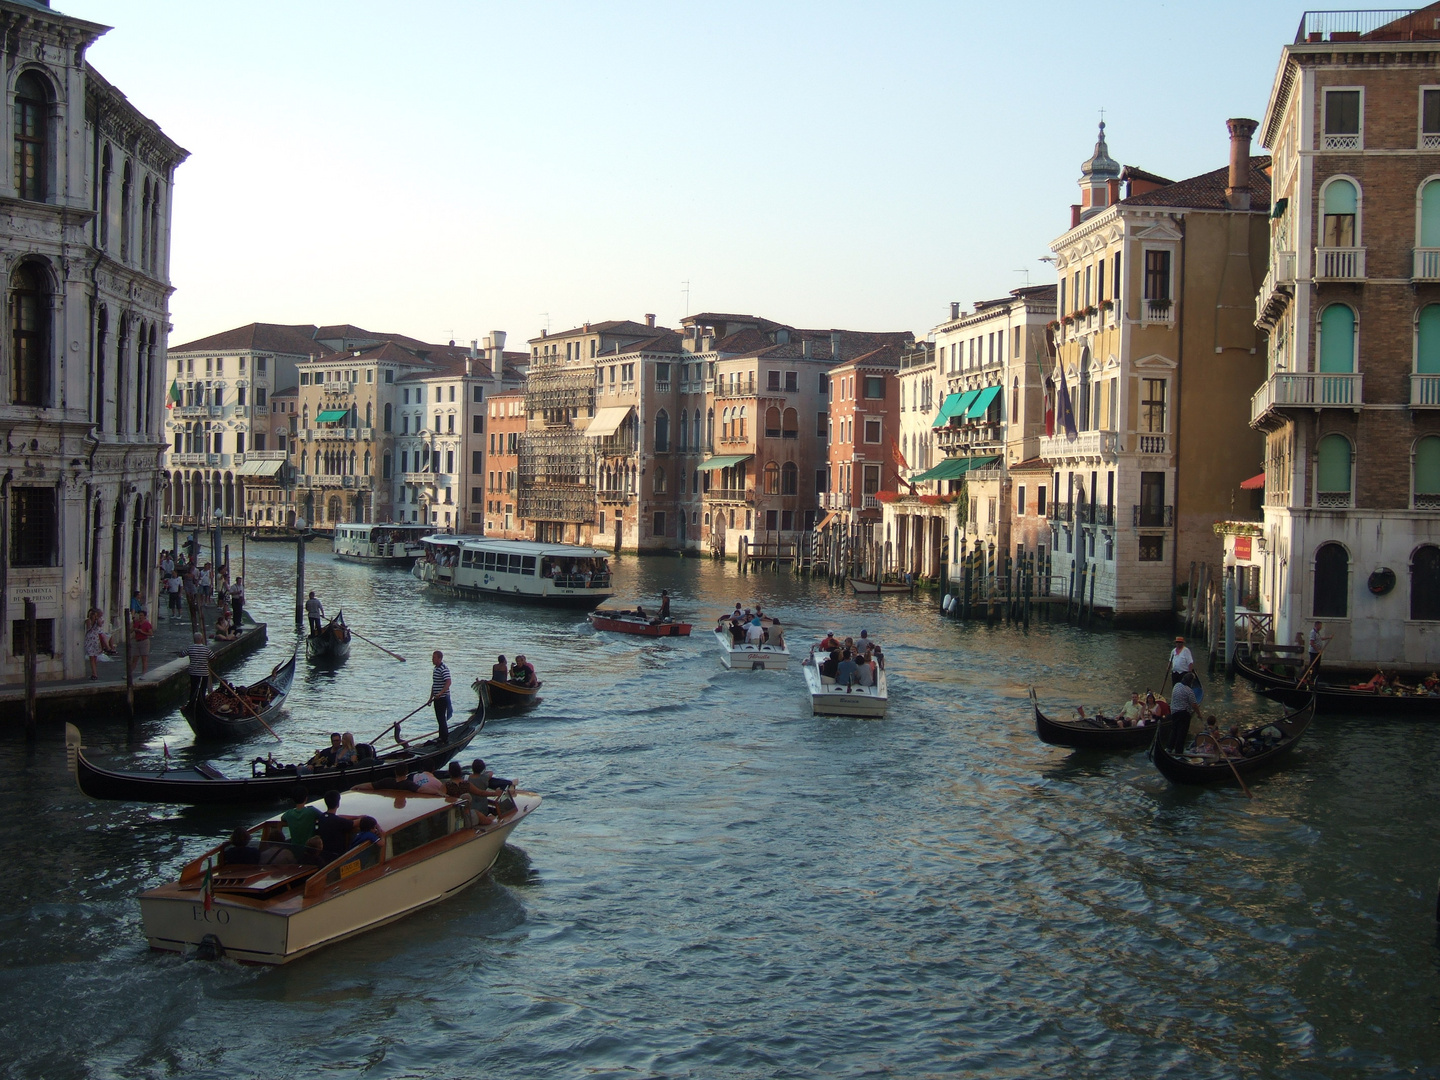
1157,359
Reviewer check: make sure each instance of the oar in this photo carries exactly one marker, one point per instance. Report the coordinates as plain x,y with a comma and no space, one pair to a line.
244,703
397,723
1236,771
382,648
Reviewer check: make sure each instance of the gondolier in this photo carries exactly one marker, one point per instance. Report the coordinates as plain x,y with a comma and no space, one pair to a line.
1182,707
1180,660
200,656
314,611
440,694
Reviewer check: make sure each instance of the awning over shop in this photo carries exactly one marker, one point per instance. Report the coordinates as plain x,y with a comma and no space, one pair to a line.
954,405
258,468
607,421
724,461
952,468
329,416
982,402
1255,483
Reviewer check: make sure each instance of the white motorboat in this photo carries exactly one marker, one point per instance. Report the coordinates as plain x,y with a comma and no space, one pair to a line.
431,847
748,656
829,698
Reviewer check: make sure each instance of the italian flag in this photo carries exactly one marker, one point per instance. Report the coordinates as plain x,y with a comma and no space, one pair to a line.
173,397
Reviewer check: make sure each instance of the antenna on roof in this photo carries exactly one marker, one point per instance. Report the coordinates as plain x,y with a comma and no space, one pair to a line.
546,316
1027,276
686,291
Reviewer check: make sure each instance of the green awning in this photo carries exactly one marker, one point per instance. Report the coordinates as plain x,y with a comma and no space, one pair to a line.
953,468
981,403
724,461
954,405
329,416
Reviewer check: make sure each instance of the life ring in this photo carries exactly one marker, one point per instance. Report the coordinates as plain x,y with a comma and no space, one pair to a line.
1382,581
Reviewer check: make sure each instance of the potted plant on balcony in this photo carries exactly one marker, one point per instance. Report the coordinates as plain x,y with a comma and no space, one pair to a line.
1053,324
1106,305
1067,319
1160,304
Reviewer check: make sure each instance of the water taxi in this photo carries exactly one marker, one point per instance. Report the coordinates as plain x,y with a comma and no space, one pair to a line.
381,544
431,847
829,698
737,651
525,571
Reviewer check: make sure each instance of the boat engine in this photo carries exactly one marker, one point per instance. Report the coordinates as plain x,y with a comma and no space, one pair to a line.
209,948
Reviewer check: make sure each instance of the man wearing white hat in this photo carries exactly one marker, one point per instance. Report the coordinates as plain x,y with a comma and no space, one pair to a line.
1180,660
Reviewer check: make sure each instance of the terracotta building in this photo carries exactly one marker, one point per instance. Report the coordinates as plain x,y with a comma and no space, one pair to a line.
506,425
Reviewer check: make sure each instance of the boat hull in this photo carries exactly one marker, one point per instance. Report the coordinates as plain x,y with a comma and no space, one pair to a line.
828,699
499,695
176,921
643,627
884,588
751,657
331,645
1192,769
1079,736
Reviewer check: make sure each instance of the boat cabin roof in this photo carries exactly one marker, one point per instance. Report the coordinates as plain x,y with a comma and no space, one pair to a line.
520,547
366,528
390,809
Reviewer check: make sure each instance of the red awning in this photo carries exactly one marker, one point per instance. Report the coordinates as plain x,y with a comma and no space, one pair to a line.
1255,483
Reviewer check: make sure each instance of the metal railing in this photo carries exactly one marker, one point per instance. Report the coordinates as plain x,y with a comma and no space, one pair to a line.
1152,517
1307,389
1339,263
1317,26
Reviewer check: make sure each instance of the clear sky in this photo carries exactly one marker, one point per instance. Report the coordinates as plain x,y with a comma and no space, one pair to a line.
447,168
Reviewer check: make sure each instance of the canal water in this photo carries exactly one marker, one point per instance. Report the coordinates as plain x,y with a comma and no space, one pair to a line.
720,885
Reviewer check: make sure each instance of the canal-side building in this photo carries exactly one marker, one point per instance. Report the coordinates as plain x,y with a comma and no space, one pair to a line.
865,428
1157,355
218,425
506,423
86,234
1350,406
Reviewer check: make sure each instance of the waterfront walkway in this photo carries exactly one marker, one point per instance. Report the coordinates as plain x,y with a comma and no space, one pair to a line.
165,684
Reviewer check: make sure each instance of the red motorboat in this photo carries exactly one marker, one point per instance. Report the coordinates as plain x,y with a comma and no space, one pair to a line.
633,622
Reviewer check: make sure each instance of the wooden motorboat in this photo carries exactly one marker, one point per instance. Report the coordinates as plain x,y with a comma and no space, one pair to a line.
1335,698
1089,734
232,712
431,847
1216,767
828,698
633,622
495,694
268,781
743,655
331,645
871,587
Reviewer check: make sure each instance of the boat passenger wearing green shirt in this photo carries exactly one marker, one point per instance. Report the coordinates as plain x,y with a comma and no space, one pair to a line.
300,820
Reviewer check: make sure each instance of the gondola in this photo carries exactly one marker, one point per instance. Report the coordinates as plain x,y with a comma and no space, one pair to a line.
1088,734
1202,769
506,695
205,784
1334,698
230,712
864,587
331,645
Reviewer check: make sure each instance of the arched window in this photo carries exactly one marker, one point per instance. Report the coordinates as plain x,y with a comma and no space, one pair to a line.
662,431
389,418
1427,473
127,212
1015,402
710,428
790,424
772,478
695,441
385,467
1337,339
1332,471
32,105
1425,582
725,424
1083,413
659,481
29,335
1332,582
772,423
1430,215
369,413
145,223
740,434
789,479
1341,203
367,462
103,216
684,429
154,264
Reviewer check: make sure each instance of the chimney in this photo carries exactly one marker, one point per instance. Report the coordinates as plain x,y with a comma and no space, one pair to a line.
954,309
474,347
650,321
1237,193
805,347
834,345
1074,214
1113,186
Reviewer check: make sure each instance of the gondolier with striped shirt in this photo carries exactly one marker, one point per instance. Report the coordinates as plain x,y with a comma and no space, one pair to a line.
1182,707
200,656
440,695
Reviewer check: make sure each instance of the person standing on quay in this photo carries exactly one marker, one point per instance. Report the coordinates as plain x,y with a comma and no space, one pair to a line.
237,601
440,695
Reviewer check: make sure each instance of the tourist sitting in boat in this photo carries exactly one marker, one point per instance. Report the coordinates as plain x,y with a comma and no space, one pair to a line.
755,633
640,611
831,664
830,641
239,852
522,672
1132,712
1157,709
847,674
324,759
427,783
775,636
399,782
500,670
1373,684
865,670
347,754
367,831
331,829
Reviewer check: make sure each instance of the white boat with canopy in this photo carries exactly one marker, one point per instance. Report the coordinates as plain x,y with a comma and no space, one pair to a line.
526,571
744,650
830,698
366,543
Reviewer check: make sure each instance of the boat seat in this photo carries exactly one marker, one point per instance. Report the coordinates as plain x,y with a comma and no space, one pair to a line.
210,772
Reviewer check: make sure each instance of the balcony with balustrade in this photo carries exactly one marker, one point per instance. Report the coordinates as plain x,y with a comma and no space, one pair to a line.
1305,390
729,495
1087,446
1277,288
1427,263
1151,442
1425,391
1339,264
970,436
